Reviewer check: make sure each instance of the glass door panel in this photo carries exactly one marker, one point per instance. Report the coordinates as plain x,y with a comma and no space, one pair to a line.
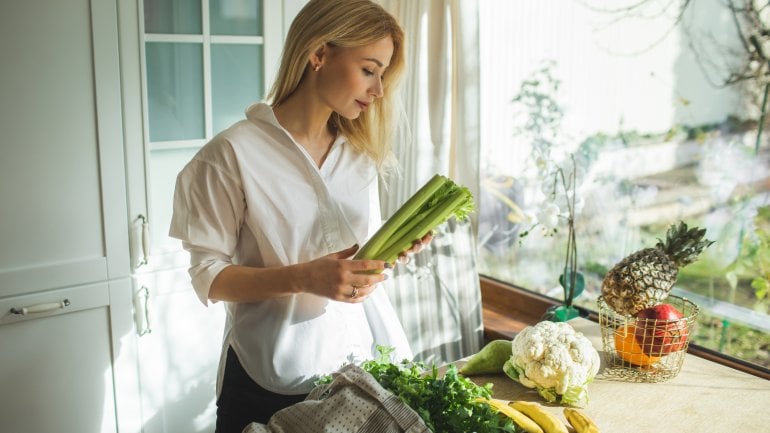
203,65
175,91
172,17
236,81
235,17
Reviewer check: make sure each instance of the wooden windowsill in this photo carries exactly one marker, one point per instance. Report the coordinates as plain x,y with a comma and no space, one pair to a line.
508,309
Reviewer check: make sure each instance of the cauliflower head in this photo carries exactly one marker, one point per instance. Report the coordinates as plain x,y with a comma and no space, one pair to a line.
556,360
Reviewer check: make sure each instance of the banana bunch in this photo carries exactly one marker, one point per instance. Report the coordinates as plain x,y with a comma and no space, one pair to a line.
533,418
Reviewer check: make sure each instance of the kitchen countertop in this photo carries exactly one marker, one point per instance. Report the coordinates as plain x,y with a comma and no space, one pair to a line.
704,397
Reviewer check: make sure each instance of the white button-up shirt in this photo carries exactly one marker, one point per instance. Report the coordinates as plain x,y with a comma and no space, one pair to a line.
253,196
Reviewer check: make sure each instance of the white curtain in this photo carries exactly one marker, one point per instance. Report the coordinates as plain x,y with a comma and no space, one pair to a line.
437,294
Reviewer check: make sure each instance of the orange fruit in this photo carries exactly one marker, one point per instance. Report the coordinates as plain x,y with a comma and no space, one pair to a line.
628,348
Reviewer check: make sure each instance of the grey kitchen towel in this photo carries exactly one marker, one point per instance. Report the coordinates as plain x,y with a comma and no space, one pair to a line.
354,402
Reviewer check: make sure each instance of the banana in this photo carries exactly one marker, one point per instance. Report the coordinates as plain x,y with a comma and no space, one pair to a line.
580,421
548,422
518,418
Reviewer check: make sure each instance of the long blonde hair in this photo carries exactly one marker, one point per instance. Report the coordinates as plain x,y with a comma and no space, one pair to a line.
345,23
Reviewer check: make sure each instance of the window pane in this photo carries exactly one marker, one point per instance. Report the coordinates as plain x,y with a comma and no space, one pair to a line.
655,143
236,81
175,91
172,17
236,17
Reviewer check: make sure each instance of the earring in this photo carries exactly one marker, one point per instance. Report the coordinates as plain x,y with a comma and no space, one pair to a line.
316,68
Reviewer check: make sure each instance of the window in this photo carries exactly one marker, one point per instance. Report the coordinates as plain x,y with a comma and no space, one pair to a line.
632,92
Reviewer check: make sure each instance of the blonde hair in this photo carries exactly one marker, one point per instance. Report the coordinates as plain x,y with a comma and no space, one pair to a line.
345,23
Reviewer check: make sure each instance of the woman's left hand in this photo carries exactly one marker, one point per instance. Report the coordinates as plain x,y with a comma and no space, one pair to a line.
416,247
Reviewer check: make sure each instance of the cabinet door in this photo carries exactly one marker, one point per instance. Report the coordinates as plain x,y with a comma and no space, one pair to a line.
63,221
178,350
56,365
190,69
61,171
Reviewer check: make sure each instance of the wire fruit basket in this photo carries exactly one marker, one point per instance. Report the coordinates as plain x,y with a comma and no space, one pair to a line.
643,349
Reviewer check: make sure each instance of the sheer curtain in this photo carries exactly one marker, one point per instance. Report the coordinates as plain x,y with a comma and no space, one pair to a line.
437,295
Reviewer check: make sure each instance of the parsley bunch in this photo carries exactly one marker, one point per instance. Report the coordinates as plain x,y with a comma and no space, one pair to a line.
444,403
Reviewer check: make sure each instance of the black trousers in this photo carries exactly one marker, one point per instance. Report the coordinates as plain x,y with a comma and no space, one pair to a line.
242,401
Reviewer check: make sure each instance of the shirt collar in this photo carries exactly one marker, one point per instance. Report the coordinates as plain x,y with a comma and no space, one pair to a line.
262,112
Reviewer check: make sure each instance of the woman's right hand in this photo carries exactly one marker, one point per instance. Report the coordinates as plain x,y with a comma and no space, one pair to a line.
337,277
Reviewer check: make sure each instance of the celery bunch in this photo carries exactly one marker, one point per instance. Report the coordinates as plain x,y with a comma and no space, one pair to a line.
438,200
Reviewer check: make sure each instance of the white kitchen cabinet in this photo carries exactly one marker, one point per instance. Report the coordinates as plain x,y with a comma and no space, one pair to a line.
63,182
64,255
56,365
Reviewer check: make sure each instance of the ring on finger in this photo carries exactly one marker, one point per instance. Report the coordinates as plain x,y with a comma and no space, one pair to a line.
355,292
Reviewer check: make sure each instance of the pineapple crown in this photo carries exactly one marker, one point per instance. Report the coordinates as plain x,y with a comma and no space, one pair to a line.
684,245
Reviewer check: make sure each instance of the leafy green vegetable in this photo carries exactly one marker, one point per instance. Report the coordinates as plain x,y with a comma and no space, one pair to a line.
445,403
438,200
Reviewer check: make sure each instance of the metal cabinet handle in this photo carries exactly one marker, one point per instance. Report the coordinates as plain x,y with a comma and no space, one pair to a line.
40,308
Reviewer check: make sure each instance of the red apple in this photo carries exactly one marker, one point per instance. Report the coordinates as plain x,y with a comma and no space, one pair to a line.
661,330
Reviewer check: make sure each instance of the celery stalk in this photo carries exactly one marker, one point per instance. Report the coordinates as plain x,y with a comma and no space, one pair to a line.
402,215
438,214
438,200
444,191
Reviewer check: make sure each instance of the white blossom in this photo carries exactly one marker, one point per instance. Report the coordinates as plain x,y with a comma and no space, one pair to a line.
548,216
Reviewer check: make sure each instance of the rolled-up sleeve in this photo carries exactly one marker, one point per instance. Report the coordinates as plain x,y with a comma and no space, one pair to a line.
205,265
207,216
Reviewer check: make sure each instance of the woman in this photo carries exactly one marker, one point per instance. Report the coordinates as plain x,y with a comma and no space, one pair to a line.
272,209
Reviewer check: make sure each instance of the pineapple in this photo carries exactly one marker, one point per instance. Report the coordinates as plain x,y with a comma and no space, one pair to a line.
645,278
